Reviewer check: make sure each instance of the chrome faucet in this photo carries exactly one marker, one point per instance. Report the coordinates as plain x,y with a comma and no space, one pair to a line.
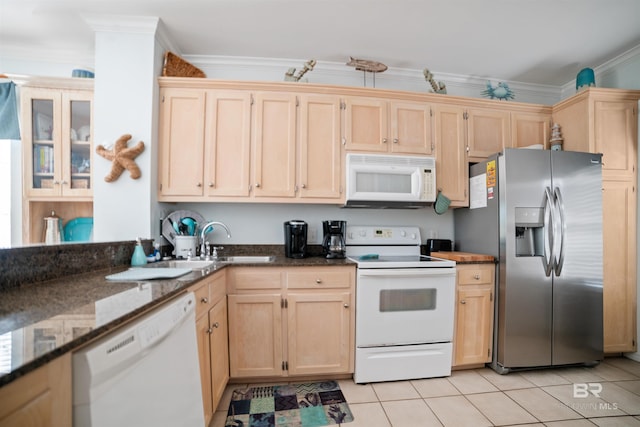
204,249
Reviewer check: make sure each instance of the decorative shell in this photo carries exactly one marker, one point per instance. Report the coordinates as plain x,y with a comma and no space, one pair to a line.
366,65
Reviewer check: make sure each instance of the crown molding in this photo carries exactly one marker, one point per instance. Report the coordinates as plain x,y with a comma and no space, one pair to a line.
411,78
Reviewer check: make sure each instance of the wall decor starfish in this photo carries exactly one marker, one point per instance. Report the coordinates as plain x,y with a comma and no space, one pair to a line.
122,157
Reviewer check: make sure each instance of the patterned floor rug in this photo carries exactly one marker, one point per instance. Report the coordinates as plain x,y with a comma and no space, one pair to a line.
292,405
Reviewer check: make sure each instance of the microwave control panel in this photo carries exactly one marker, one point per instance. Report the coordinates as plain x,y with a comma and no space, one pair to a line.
429,184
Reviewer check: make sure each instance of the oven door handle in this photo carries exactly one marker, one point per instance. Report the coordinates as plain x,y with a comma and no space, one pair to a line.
407,272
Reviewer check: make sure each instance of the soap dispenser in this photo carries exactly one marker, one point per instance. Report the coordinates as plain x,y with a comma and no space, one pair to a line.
139,257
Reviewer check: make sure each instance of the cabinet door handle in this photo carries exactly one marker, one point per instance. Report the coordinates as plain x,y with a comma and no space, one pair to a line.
64,182
199,184
395,140
476,276
346,306
384,140
211,184
216,325
463,302
318,281
204,300
304,186
257,185
209,331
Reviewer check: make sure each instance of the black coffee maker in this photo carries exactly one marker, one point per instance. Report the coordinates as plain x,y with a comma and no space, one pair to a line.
333,242
295,239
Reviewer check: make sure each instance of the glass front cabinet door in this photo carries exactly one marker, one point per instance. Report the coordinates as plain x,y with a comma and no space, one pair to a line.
57,137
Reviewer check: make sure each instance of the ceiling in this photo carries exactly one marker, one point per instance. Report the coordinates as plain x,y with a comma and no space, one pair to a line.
529,41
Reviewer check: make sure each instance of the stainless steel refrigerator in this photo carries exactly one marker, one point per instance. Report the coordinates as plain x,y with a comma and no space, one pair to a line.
539,213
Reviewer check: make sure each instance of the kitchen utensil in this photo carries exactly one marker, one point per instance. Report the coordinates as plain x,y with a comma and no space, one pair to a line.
185,246
191,225
52,229
168,230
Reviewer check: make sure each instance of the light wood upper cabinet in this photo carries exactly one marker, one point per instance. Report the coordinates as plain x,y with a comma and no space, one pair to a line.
602,121
274,145
227,148
57,143
615,136
181,162
320,171
452,171
366,124
488,132
380,126
411,128
530,129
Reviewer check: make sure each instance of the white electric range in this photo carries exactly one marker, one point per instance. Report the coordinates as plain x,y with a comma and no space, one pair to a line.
404,305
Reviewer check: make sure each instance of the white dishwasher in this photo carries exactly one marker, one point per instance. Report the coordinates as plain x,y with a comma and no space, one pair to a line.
146,374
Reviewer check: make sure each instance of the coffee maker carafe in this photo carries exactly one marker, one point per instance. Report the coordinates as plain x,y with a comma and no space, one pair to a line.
333,241
295,239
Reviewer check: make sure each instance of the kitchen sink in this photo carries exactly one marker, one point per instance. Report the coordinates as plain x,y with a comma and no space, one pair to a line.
192,264
245,259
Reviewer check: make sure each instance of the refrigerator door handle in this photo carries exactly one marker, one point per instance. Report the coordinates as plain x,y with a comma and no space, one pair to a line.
562,227
547,259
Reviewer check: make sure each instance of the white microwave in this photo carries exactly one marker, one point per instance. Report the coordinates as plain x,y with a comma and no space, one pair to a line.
375,180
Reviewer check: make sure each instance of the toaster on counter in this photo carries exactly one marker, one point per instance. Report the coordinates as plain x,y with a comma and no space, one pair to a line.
437,245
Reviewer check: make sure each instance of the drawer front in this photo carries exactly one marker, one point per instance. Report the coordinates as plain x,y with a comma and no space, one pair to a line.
475,274
203,297
254,278
320,278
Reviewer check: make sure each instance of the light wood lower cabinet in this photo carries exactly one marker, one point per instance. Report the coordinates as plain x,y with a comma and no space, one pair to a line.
212,333
473,336
40,398
299,321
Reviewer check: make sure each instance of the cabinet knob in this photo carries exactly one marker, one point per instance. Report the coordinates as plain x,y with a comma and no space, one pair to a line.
384,140
463,302
64,182
318,281
395,140
346,306
304,186
209,331
56,182
204,300
216,325
476,276
199,184
211,184
257,185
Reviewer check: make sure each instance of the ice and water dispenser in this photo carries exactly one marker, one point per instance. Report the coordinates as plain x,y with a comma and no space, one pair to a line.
529,231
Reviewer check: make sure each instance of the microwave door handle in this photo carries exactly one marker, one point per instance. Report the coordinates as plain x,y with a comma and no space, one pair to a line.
561,225
547,258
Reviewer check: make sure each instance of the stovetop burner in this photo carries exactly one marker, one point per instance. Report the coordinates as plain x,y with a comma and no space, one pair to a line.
388,247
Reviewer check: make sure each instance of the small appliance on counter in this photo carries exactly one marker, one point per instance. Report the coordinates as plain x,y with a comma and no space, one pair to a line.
437,245
333,243
295,239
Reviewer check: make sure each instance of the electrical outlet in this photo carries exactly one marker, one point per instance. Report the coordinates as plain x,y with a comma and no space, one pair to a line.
312,235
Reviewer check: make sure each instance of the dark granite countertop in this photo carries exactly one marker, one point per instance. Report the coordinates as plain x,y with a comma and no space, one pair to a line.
50,318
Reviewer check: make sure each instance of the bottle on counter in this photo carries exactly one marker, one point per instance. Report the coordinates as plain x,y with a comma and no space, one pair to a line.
138,257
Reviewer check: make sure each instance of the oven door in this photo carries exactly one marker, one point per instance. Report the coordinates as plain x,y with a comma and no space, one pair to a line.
404,306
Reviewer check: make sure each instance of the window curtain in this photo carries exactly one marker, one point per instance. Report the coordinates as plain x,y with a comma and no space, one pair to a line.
9,126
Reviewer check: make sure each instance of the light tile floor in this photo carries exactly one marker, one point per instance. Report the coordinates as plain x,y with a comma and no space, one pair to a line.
481,397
